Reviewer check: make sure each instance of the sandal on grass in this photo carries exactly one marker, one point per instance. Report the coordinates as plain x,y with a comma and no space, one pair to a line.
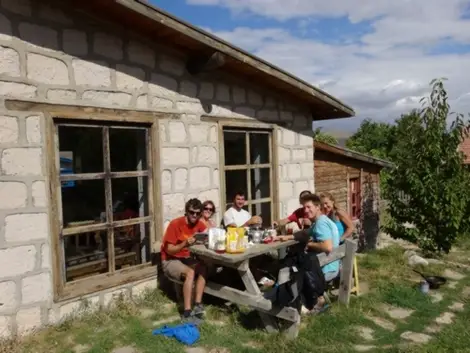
318,310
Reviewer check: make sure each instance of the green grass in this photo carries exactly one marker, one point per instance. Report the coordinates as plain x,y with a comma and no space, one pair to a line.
389,279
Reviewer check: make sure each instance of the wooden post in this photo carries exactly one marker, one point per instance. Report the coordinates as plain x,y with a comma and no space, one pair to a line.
347,272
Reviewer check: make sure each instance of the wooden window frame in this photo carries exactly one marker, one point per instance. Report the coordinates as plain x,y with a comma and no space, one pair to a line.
65,291
358,197
270,129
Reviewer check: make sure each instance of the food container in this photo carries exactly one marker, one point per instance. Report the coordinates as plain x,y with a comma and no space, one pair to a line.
270,232
217,239
235,240
256,235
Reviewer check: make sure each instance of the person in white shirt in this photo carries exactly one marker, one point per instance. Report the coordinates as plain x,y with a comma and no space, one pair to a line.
236,216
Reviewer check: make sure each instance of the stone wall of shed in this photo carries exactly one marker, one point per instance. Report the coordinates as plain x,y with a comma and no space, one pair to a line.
52,54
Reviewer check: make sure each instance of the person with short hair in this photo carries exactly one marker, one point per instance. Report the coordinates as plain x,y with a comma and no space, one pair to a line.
324,237
298,216
177,262
236,216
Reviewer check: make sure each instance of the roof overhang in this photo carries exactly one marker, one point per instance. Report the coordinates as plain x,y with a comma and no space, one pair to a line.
345,152
156,24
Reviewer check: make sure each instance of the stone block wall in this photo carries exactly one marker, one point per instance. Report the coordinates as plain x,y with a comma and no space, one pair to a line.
51,54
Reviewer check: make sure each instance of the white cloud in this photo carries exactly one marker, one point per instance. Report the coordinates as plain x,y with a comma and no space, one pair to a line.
381,74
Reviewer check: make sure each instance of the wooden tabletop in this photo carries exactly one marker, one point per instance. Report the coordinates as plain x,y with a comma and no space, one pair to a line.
253,251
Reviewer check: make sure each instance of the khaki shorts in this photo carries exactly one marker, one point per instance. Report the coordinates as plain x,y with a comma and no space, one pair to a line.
175,268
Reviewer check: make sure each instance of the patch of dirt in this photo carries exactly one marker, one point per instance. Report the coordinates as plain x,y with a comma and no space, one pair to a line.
456,306
436,297
415,337
387,325
445,318
363,348
363,287
81,348
219,350
450,274
433,328
396,312
165,321
252,344
127,349
452,284
365,332
195,350
218,322
146,312
466,292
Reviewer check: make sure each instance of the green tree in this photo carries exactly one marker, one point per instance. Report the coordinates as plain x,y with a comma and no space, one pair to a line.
320,136
373,138
427,190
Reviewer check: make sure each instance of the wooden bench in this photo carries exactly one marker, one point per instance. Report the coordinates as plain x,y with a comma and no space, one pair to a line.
253,297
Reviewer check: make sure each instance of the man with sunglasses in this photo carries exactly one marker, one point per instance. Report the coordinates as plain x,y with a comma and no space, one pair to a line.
177,262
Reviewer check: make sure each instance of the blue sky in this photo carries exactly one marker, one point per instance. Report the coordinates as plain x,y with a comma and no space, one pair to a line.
376,55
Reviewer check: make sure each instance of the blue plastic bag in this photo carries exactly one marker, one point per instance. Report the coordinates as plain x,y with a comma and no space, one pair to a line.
185,333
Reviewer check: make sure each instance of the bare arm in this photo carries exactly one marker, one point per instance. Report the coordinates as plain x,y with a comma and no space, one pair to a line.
173,249
282,222
319,247
347,221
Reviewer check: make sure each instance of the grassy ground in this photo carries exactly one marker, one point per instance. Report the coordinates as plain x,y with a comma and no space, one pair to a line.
385,273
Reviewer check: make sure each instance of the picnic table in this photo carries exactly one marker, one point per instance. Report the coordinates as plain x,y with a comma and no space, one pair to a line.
269,311
253,295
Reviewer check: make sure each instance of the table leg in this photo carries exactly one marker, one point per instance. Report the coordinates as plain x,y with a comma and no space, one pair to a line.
252,288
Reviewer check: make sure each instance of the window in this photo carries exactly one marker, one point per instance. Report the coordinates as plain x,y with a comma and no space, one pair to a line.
354,197
104,204
248,166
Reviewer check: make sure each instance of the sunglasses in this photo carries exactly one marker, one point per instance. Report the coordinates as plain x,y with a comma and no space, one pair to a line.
194,213
209,209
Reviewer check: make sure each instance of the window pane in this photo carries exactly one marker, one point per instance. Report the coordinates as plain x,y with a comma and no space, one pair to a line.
128,149
234,148
235,180
84,202
81,149
131,244
85,255
130,197
260,183
259,148
264,211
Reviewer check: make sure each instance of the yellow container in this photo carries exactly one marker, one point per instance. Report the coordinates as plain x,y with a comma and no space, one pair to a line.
235,240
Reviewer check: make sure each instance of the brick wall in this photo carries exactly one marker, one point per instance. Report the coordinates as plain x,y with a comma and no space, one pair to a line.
51,54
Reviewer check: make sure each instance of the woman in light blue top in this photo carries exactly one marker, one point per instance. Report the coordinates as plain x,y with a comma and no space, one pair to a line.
341,218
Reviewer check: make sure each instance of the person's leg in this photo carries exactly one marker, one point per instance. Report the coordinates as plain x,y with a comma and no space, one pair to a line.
201,271
329,276
179,271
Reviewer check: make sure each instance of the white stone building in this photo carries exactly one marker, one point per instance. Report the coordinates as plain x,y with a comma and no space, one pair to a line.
97,105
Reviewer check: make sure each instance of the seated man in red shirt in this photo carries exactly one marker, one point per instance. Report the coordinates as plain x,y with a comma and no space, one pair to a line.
177,262
298,216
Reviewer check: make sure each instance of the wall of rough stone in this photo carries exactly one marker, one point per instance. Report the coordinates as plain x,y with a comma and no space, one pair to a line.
52,54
